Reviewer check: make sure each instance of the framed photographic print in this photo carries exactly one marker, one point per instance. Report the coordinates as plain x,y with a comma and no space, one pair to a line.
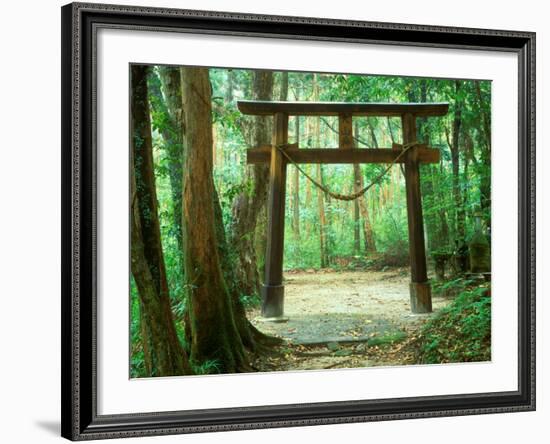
278,221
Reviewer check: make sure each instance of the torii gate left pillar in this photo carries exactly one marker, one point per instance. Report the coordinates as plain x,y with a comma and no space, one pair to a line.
273,289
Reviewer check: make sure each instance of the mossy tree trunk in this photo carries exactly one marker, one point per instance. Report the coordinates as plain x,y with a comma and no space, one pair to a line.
485,156
248,205
455,159
147,260
173,134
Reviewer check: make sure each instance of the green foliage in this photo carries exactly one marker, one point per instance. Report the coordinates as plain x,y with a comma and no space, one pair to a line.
206,368
385,202
452,287
461,332
250,301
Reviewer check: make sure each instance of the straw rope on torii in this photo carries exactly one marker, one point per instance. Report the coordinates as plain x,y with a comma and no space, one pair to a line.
357,194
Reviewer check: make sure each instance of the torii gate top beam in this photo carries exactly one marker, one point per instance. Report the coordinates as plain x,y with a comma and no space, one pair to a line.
265,108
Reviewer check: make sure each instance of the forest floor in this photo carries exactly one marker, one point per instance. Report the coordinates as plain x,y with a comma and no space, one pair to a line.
344,319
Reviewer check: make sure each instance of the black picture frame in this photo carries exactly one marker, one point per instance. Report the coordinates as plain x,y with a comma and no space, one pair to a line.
79,395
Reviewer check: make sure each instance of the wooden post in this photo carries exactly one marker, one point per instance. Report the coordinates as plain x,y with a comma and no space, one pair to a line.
420,291
273,289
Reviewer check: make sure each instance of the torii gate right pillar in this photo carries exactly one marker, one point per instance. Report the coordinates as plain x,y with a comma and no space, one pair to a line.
420,290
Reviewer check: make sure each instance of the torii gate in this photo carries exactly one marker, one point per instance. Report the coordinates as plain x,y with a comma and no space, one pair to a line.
273,290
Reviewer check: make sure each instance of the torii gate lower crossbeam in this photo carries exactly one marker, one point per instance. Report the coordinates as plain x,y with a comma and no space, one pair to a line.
273,289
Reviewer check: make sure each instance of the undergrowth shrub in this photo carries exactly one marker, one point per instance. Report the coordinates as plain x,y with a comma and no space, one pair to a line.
461,332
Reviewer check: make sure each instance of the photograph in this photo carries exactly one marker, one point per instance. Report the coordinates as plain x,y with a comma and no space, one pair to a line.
274,221
285,221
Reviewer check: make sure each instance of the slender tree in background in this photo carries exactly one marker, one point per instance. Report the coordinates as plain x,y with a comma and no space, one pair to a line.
323,242
455,159
166,104
147,260
368,234
283,87
483,104
230,86
434,238
171,88
296,178
439,196
356,212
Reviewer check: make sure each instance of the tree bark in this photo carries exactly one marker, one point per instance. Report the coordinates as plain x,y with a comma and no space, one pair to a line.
455,159
296,182
485,157
368,235
147,261
214,333
390,130
444,231
372,133
433,233
356,228
172,106
229,90
283,91
145,338
323,247
248,205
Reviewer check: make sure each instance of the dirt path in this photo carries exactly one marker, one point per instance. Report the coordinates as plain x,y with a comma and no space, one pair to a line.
344,319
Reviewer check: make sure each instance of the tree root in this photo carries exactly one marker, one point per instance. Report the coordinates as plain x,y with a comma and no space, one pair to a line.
262,338
246,367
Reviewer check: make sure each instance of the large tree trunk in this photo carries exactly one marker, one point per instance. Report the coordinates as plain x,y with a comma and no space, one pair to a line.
215,337
253,340
247,206
145,344
147,261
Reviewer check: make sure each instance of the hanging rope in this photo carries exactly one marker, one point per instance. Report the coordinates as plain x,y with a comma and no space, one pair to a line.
357,194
